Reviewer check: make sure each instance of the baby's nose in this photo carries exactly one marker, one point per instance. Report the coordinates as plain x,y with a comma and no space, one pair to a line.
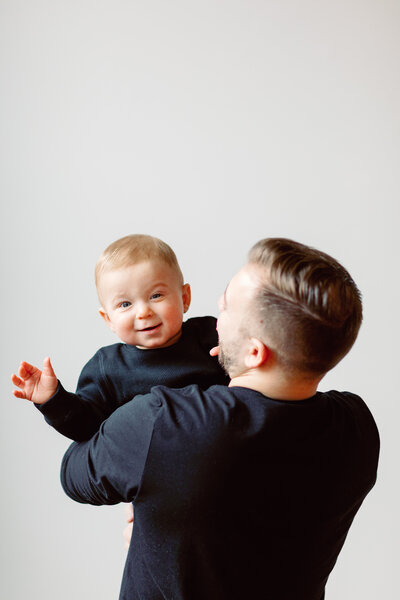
143,310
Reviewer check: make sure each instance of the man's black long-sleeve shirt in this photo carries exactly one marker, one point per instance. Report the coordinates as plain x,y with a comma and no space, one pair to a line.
236,495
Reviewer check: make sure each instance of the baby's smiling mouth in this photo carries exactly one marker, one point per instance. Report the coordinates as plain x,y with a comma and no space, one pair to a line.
152,328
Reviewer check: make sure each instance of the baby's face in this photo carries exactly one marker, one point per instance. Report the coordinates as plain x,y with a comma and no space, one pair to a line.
144,303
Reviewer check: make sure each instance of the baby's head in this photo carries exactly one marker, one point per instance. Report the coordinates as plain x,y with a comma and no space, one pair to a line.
141,291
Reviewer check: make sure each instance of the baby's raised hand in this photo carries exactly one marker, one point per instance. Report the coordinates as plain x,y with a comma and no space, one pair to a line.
35,385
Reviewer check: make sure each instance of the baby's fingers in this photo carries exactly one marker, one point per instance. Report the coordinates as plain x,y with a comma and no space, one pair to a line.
20,394
16,380
19,383
25,370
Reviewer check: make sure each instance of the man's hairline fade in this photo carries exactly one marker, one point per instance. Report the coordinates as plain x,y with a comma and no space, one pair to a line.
279,288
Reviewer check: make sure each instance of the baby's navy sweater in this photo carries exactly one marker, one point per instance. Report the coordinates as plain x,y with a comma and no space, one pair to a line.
119,372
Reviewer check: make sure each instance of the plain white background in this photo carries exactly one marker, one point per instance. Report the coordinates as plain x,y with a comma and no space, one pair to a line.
210,124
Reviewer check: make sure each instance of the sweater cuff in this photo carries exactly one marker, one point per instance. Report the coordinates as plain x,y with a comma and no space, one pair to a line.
54,407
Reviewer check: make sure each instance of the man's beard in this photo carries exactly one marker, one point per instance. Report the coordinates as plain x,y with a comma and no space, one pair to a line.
228,358
224,360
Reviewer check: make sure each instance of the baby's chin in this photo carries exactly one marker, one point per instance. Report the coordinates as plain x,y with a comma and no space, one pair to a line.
157,344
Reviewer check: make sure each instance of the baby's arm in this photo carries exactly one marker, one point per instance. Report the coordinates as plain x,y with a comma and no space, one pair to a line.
35,385
77,416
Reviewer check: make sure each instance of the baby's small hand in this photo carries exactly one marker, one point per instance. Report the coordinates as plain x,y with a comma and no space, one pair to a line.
35,385
214,351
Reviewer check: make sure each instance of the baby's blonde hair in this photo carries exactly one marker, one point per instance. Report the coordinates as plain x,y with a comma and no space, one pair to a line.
133,249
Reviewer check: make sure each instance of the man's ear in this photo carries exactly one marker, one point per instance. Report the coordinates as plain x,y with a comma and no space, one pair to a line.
257,354
105,316
186,296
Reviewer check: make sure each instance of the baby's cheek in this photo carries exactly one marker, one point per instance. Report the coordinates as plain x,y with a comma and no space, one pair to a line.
175,319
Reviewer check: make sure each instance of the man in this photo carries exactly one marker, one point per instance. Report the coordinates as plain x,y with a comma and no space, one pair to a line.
246,491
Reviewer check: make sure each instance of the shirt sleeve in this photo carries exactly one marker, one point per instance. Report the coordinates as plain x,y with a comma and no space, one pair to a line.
78,416
108,468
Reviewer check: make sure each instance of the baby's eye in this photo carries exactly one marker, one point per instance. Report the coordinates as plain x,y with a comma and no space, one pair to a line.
124,304
156,296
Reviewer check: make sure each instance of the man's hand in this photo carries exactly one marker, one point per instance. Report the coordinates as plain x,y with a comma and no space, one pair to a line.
35,385
127,533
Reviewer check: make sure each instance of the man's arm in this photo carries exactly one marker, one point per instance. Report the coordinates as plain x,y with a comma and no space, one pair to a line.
108,468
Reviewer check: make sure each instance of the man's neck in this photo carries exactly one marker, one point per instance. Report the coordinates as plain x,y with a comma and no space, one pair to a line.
276,386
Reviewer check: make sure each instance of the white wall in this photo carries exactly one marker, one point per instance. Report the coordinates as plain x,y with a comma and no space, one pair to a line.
210,124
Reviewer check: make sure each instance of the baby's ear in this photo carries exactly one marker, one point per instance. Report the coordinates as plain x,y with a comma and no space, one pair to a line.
105,316
186,296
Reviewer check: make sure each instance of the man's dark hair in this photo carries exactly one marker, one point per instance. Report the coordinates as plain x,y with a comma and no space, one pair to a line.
308,306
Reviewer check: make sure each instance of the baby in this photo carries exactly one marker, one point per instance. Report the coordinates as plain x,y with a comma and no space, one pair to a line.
143,298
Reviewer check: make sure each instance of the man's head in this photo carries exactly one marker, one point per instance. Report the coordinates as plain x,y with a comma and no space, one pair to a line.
298,302
141,291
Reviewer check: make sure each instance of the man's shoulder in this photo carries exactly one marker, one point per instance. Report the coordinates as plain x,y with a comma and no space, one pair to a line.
353,409
192,391
345,399
192,396
218,405
342,395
